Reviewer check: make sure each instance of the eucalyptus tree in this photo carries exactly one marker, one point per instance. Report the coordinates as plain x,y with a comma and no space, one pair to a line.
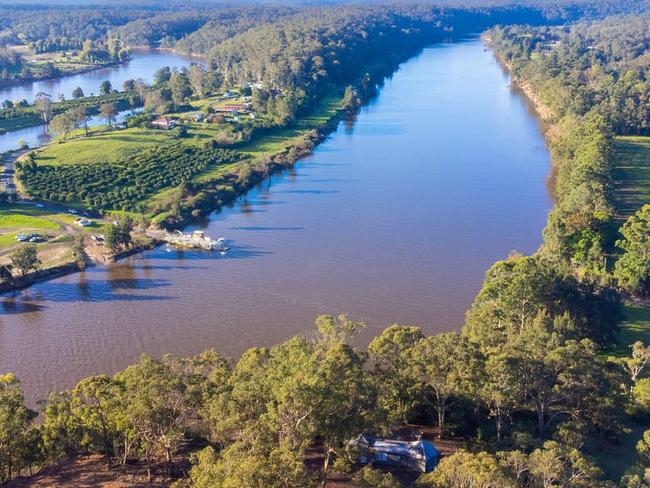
15,421
633,267
447,364
397,385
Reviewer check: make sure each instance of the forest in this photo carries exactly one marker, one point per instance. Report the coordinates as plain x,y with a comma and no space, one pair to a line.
529,387
595,78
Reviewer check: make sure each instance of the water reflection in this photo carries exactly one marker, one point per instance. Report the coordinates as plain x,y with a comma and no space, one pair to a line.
396,220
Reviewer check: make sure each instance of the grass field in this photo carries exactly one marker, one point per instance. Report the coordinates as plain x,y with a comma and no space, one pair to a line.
102,147
16,123
636,327
631,174
106,145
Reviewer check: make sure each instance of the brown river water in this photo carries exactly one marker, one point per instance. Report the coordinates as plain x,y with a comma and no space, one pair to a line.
394,218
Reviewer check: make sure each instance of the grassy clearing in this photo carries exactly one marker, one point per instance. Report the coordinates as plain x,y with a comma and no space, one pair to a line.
17,123
636,327
631,174
278,140
17,219
102,147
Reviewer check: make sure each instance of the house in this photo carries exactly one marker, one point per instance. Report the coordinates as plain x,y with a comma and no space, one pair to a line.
164,123
420,455
234,107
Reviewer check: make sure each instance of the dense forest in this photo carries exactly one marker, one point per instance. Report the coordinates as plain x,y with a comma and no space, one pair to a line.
595,78
527,384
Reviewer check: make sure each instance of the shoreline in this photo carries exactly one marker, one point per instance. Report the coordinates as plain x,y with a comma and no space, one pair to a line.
85,69
257,170
264,167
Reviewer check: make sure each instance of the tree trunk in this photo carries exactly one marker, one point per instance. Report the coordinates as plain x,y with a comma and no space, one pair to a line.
170,460
326,465
149,478
441,418
540,418
499,426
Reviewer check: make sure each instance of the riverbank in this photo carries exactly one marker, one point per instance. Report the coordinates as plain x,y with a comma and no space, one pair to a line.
63,72
289,145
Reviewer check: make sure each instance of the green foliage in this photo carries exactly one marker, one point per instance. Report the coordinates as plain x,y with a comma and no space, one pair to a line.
125,185
633,267
589,66
25,259
118,237
15,422
391,353
523,291
371,478
251,466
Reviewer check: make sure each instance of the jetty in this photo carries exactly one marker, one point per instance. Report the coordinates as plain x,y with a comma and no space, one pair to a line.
193,240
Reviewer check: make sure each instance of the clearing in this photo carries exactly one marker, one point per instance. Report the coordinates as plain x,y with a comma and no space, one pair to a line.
631,174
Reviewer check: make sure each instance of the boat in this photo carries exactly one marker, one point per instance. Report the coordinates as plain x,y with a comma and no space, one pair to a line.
196,240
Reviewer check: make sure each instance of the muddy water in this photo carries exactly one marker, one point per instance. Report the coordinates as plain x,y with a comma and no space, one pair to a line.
395,218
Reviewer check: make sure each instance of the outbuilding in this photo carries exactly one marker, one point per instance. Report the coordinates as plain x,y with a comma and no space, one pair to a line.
420,455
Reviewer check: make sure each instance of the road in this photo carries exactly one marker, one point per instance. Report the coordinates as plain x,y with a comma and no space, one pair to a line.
7,183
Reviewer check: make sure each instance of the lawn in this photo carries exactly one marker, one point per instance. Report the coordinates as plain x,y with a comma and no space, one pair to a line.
104,147
16,123
278,140
636,327
631,174
17,217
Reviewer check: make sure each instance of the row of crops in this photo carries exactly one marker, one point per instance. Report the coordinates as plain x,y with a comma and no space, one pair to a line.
124,185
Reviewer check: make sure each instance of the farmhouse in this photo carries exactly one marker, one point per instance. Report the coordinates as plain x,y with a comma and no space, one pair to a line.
164,123
234,107
418,455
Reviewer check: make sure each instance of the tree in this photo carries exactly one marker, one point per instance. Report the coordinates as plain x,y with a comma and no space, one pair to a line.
371,478
108,111
390,351
43,105
633,267
251,466
180,88
558,465
445,363
162,75
77,93
105,87
500,388
63,124
639,360
156,404
344,399
118,237
641,394
128,85
15,420
196,75
643,449
464,470
62,431
79,252
79,116
25,259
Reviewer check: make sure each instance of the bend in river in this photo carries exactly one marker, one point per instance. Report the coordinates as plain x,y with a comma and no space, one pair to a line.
395,218
143,64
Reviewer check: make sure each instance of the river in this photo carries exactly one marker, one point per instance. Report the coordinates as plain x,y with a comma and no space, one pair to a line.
143,64
395,218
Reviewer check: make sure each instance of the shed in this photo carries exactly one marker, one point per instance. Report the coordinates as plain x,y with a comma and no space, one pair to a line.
420,455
